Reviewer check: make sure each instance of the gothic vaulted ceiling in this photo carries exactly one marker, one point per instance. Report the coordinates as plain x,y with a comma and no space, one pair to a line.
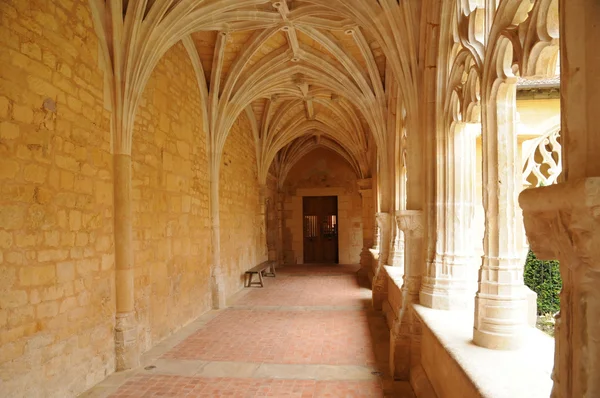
307,73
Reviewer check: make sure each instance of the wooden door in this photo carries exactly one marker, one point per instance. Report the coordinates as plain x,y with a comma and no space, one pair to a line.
320,229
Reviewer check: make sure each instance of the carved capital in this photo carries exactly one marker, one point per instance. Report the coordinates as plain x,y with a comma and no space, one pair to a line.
384,220
411,222
365,184
563,221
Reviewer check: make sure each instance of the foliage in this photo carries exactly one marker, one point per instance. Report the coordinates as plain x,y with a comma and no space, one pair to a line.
543,277
546,324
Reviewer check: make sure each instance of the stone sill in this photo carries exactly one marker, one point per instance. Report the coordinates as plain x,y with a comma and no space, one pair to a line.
495,374
374,253
395,274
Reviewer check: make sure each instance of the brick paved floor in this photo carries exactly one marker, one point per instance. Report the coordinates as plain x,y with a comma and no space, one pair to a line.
316,337
177,386
309,291
309,332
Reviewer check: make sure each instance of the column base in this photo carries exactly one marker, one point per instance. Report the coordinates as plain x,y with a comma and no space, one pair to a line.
451,282
127,351
219,299
446,300
500,324
447,294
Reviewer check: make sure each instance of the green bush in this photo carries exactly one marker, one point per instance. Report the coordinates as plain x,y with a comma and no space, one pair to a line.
543,277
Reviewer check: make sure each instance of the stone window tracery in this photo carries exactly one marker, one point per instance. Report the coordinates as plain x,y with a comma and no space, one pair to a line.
544,164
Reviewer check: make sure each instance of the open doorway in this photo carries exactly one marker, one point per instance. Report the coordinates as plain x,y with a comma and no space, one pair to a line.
320,215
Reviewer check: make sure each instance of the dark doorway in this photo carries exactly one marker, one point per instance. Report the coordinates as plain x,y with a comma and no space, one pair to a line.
320,229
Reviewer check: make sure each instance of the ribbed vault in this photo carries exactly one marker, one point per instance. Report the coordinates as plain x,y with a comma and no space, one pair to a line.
297,68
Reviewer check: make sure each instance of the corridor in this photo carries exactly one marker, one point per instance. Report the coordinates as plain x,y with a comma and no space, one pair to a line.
309,333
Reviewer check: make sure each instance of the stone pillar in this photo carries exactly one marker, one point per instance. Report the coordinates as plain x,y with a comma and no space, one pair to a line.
126,333
563,221
216,273
501,301
262,221
450,280
398,248
384,220
272,229
366,192
404,331
376,235
280,254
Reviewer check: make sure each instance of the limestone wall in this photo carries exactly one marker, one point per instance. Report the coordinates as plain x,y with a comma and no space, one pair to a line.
323,173
56,217
171,224
242,227
57,295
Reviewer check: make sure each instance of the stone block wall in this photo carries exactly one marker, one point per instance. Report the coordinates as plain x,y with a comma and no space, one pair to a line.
242,227
56,193
323,173
57,267
171,220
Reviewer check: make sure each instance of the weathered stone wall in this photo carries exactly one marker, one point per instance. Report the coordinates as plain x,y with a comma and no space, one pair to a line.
242,227
56,218
171,224
323,173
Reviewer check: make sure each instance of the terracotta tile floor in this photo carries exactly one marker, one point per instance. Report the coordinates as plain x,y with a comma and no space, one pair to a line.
300,337
309,332
177,386
308,291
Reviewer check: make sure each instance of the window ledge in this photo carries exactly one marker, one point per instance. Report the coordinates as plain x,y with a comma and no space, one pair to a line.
395,274
374,253
495,374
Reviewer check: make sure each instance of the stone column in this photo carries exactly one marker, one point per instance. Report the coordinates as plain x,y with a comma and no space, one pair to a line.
126,333
563,221
366,192
216,273
384,221
501,301
404,331
450,281
262,221
398,248
280,254
376,234
272,229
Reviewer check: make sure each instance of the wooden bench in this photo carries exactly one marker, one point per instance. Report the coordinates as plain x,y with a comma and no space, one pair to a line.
266,268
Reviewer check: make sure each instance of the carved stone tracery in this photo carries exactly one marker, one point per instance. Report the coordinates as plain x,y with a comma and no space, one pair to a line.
544,164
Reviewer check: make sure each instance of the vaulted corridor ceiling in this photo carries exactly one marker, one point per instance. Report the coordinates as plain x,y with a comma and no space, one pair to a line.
298,69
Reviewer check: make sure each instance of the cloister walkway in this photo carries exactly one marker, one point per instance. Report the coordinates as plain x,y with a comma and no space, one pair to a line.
309,333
